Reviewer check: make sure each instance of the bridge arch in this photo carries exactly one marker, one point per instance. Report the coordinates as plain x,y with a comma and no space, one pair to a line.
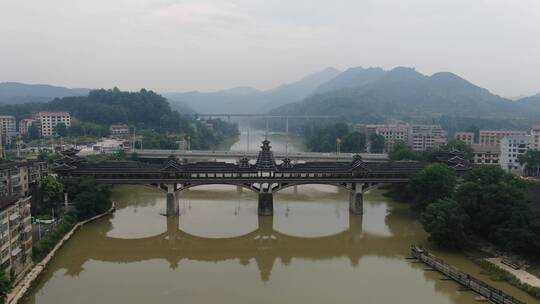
284,186
243,185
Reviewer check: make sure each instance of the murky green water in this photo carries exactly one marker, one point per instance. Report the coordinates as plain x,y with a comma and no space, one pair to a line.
219,251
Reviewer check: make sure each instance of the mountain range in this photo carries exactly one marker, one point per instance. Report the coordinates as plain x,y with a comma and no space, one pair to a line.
15,92
373,94
358,94
250,100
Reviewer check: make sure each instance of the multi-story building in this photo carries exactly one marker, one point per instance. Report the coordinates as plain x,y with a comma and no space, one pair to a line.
535,137
49,120
119,130
8,128
486,155
24,125
15,235
511,148
466,137
17,177
425,137
393,134
493,137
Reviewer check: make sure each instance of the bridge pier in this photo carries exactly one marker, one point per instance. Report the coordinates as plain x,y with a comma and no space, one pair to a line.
173,207
266,204
356,201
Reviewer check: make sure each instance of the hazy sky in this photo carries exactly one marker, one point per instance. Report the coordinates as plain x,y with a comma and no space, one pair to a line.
169,45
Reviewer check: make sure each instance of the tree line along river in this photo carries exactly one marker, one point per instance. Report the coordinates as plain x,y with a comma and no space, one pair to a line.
219,251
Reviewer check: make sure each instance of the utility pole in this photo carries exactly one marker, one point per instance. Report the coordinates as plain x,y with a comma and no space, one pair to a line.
266,133
133,141
248,139
287,135
18,145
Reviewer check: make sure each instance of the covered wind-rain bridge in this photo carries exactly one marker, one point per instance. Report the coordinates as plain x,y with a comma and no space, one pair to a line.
264,177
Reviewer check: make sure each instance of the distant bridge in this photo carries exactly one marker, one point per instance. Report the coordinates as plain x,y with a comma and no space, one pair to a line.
265,115
297,156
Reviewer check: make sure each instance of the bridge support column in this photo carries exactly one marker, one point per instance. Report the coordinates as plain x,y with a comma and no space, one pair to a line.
173,207
356,202
266,204
295,188
239,189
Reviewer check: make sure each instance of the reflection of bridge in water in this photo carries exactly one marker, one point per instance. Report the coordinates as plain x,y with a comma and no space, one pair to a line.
263,246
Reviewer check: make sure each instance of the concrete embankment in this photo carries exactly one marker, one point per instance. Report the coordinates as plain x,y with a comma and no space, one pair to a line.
19,291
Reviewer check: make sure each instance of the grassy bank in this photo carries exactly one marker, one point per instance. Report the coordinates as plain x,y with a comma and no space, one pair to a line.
499,274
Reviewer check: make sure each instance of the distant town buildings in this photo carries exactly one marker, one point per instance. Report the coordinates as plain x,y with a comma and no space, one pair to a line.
49,120
466,137
425,137
493,137
417,137
119,130
511,148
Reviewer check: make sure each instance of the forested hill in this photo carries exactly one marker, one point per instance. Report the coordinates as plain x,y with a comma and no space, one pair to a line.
374,94
145,110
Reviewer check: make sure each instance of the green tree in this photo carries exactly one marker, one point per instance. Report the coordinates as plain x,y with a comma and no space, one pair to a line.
433,183
402,152
90,198
323,139
354,142
5,286
61,129
489,194
52,187
33,132
447,224
531,161
376,143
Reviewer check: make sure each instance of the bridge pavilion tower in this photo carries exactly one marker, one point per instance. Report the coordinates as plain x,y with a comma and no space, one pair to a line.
266,167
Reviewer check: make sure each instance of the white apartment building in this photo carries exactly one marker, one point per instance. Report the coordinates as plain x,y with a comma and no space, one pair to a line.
486,155
24,125
511,148
49,120
8,128
15,235
466,137
493,137
425,137
535,137
393,134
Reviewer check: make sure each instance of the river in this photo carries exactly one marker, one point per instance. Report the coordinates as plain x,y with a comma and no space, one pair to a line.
219,251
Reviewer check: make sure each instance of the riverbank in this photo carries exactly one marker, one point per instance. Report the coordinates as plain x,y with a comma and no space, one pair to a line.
519,278
20,290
